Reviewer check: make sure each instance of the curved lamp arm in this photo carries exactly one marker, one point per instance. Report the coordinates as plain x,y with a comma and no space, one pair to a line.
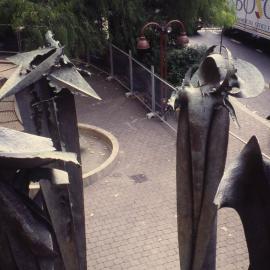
182,27
150,24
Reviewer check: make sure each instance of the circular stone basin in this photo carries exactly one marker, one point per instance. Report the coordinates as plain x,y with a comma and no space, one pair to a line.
94,150
99,150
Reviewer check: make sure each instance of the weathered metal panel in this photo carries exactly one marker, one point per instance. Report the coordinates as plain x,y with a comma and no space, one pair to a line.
58,115
201,131
51,112
26,58
22,150
202,143
69,78
57,202
245,188
66,113
28,237
13,85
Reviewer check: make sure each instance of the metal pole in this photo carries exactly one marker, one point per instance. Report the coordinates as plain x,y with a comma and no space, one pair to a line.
162,68
221,40
18,34
153,89
111,60
130,72
165,89
162,41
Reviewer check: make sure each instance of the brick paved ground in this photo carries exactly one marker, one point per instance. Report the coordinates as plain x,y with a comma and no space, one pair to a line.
131,213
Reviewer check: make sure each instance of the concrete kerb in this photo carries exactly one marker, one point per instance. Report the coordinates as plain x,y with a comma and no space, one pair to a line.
106,167
103,169
257,117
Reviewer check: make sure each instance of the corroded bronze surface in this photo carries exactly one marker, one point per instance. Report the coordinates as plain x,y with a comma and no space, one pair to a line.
245,187
26,235
42,85
202,133
202,141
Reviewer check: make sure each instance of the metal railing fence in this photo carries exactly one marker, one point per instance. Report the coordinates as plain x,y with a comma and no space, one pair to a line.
140,81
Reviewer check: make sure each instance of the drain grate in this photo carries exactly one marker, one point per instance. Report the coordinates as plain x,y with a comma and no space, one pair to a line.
139,178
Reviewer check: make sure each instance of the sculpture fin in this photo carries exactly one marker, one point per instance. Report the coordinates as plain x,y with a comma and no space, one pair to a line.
245,188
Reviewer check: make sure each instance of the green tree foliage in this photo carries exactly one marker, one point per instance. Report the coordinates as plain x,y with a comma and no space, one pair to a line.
214,12
217,12
76,24
80,25
125,19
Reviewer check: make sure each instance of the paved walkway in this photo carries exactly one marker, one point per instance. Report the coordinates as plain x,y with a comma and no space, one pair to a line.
131,213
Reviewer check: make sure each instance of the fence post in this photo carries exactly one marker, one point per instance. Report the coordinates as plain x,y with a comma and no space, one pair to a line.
130,72
111,60
153,89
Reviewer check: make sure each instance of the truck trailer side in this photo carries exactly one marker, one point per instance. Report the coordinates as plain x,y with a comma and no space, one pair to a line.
253,16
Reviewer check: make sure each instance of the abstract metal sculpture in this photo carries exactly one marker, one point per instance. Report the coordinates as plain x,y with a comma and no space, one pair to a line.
245,187
26,235
43,84
202,141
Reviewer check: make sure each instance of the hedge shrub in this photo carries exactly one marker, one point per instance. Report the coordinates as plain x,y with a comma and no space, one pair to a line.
180,60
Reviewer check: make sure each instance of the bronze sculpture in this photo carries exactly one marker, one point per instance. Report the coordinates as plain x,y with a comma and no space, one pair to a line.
44,84
26,234
202,140
245,188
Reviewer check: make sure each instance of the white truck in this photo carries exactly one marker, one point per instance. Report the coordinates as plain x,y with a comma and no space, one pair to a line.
253,16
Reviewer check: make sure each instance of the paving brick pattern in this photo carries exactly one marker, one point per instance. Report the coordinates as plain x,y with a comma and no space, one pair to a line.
8,116
131,213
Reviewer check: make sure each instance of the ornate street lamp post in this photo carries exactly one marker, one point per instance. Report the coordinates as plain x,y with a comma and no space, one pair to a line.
164,29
